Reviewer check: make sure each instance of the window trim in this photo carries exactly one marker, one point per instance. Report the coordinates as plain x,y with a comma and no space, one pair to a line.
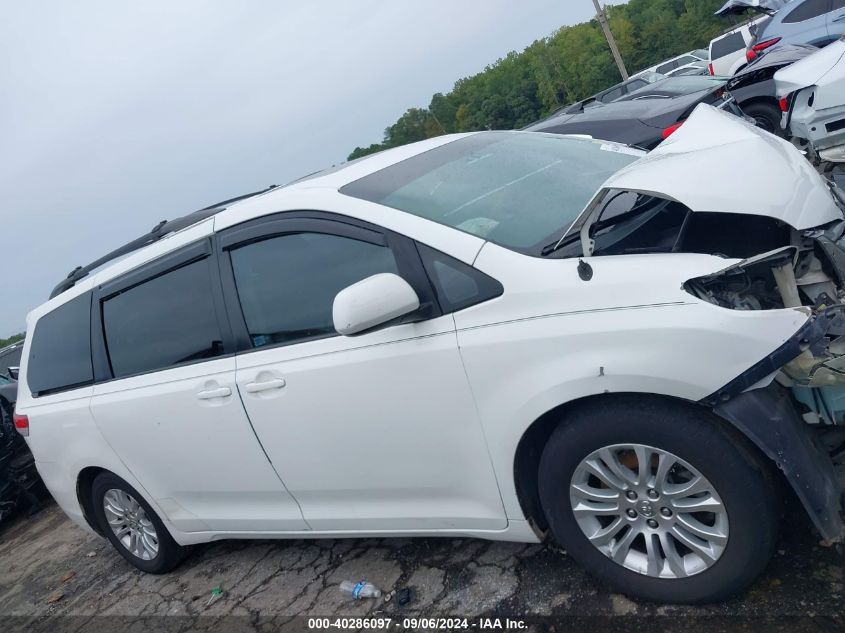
200,250
266,227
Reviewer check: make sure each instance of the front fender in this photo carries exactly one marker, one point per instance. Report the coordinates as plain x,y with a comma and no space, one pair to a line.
768,418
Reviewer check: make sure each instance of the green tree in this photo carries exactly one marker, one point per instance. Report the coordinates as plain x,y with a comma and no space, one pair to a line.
570,64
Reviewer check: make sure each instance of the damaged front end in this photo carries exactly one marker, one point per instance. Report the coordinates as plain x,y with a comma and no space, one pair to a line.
792,403
721,187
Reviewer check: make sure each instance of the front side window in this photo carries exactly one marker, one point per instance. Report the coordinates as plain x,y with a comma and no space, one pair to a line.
456,284
287,284
520,190
60,353
165,321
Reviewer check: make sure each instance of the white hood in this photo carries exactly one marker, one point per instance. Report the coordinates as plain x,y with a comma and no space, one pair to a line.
718,163
811,70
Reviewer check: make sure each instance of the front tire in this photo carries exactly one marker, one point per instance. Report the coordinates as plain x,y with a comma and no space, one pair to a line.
133,527
659,499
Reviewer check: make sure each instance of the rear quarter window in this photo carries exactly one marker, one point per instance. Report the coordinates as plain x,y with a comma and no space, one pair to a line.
60,352
726,45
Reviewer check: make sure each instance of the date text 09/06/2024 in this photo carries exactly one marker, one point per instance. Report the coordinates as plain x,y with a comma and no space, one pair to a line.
417,623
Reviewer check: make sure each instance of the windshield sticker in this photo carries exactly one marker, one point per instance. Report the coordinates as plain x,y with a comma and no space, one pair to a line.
621,149
478,226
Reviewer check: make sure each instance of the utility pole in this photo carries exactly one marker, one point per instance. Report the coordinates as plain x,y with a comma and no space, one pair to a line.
602,18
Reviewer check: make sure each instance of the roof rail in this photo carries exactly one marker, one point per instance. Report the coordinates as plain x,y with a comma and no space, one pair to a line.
161,229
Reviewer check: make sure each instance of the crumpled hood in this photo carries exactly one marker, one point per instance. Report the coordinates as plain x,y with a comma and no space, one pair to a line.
810,70
738,6
716,162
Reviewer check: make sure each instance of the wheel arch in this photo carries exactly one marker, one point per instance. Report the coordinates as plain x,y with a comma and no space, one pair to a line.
84,481
748,418
526,460
760,99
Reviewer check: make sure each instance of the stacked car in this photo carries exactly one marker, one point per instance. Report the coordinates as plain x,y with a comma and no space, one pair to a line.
812,95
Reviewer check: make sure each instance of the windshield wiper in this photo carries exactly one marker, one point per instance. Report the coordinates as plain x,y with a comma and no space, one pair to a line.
548,249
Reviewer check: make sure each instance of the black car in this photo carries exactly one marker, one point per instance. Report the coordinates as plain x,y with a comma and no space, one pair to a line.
20,484
753,87
644,117
614,92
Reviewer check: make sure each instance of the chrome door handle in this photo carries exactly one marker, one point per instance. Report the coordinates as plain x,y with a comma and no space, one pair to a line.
267,385
220,392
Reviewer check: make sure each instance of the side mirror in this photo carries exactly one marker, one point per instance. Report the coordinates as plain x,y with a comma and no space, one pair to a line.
372,301
13,372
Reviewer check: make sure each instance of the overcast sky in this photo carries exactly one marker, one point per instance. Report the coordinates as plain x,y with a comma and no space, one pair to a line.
115,115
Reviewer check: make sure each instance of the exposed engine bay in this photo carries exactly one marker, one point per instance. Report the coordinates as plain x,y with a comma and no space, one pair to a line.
808,274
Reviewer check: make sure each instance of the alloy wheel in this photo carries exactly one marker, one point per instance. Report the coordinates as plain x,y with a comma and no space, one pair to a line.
130,524
649,511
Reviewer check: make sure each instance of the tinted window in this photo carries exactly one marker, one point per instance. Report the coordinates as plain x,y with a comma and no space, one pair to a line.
457,285
163,322
727,45
636,84
807,10
516,189
60,354
687,59
665,68
838,4
287,284
611,95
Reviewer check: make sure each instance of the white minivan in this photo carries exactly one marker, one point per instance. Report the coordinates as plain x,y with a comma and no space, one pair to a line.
502,335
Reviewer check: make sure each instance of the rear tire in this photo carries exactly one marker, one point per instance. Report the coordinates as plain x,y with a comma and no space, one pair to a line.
766,117
133,527
656,563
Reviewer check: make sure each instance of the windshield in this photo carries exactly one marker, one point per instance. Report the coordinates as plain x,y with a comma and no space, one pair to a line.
519,190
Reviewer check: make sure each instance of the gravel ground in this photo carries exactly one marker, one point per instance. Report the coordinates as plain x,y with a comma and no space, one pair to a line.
52,568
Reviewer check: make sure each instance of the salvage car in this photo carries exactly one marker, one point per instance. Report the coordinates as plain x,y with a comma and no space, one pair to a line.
613,93
815,22
496,334
753,88
812,95
646,116
20,486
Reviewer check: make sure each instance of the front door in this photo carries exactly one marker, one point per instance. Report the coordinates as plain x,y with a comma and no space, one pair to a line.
373,432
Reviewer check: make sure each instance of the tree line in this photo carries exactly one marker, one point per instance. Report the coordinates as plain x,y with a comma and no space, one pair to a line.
12,339
572,63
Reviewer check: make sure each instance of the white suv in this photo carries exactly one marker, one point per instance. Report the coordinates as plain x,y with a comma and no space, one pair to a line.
499,335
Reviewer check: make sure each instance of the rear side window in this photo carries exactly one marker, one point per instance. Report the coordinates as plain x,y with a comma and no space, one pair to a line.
165,321
727,45
60,353
287,284
457,285
807,10
665,68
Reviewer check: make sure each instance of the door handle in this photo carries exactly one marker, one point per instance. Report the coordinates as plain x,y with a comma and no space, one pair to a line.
266,385
220,392
839,18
